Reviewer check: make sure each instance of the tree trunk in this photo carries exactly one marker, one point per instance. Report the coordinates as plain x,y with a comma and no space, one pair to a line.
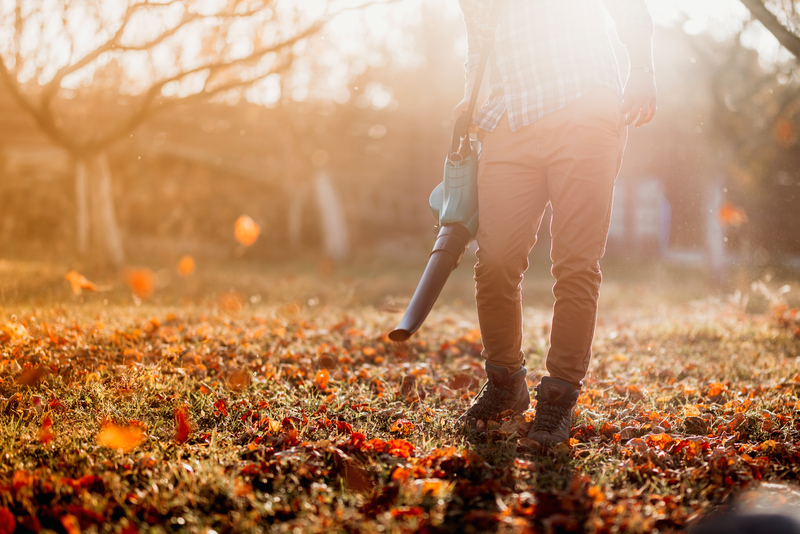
95,206
335,238
294,223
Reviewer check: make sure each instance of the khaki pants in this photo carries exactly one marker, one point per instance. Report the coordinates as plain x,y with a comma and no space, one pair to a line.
569,158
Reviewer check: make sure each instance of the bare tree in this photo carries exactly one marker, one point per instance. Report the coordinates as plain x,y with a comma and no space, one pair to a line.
781,18
89,72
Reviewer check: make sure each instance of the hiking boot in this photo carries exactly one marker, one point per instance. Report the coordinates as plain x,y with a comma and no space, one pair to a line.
502,391
555,400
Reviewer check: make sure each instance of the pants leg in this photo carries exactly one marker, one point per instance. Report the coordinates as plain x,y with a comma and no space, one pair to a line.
512,196
582,165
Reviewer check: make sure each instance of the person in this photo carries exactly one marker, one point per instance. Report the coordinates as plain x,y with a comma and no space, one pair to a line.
553,130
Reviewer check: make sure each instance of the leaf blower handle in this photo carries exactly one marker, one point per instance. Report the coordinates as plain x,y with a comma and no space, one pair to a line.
460,148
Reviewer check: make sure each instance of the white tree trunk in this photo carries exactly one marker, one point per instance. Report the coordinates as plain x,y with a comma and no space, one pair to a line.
294,223
107,217
335,238
97,227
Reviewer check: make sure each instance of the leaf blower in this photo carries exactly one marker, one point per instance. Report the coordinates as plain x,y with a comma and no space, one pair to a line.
454,204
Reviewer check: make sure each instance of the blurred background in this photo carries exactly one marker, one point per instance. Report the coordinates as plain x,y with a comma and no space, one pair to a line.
138,133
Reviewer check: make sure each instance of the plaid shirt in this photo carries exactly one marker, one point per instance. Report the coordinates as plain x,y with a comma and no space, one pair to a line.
547,53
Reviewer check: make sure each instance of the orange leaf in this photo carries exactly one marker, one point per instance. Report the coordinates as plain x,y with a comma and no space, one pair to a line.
473,336
78,282
321,379
141,281
183,426
186,266
430,486
45,434
246,230
71,524
400,448
231,301
122,438
731,215
403,426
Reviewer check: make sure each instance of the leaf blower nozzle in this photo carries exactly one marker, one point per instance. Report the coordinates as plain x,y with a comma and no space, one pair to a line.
451,243
454,205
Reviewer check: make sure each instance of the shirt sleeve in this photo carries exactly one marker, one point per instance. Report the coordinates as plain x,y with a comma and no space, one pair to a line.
476,13
628,15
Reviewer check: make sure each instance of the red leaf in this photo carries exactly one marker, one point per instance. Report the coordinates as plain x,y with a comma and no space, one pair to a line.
222,406
7,521
183,426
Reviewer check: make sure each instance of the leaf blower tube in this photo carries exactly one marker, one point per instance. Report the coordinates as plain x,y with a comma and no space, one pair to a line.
451,243
454,204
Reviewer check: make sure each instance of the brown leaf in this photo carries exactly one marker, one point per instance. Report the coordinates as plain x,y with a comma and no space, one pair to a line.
462,381
31,377
238,380
357,478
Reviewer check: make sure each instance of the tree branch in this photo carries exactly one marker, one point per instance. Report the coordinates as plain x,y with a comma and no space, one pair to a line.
52,86
44,120
145,109
785,36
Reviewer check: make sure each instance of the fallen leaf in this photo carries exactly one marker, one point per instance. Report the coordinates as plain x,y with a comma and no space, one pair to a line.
183,426
141,281
32,376
231,301
186,266
321,379
78,282
8,522
45,434
731,215
222,406
403,426
246,231
122,438
71,524
238,380
784,130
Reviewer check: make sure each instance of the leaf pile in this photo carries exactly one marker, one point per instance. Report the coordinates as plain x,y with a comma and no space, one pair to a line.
268,419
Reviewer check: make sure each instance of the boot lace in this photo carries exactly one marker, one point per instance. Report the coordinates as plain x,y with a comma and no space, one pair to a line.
489,400
550,415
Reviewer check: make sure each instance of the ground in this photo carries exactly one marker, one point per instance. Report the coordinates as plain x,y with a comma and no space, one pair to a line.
250,399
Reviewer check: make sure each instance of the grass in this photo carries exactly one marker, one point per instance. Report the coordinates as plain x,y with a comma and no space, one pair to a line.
691,403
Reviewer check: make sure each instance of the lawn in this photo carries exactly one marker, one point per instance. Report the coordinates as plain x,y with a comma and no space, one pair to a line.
246,399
